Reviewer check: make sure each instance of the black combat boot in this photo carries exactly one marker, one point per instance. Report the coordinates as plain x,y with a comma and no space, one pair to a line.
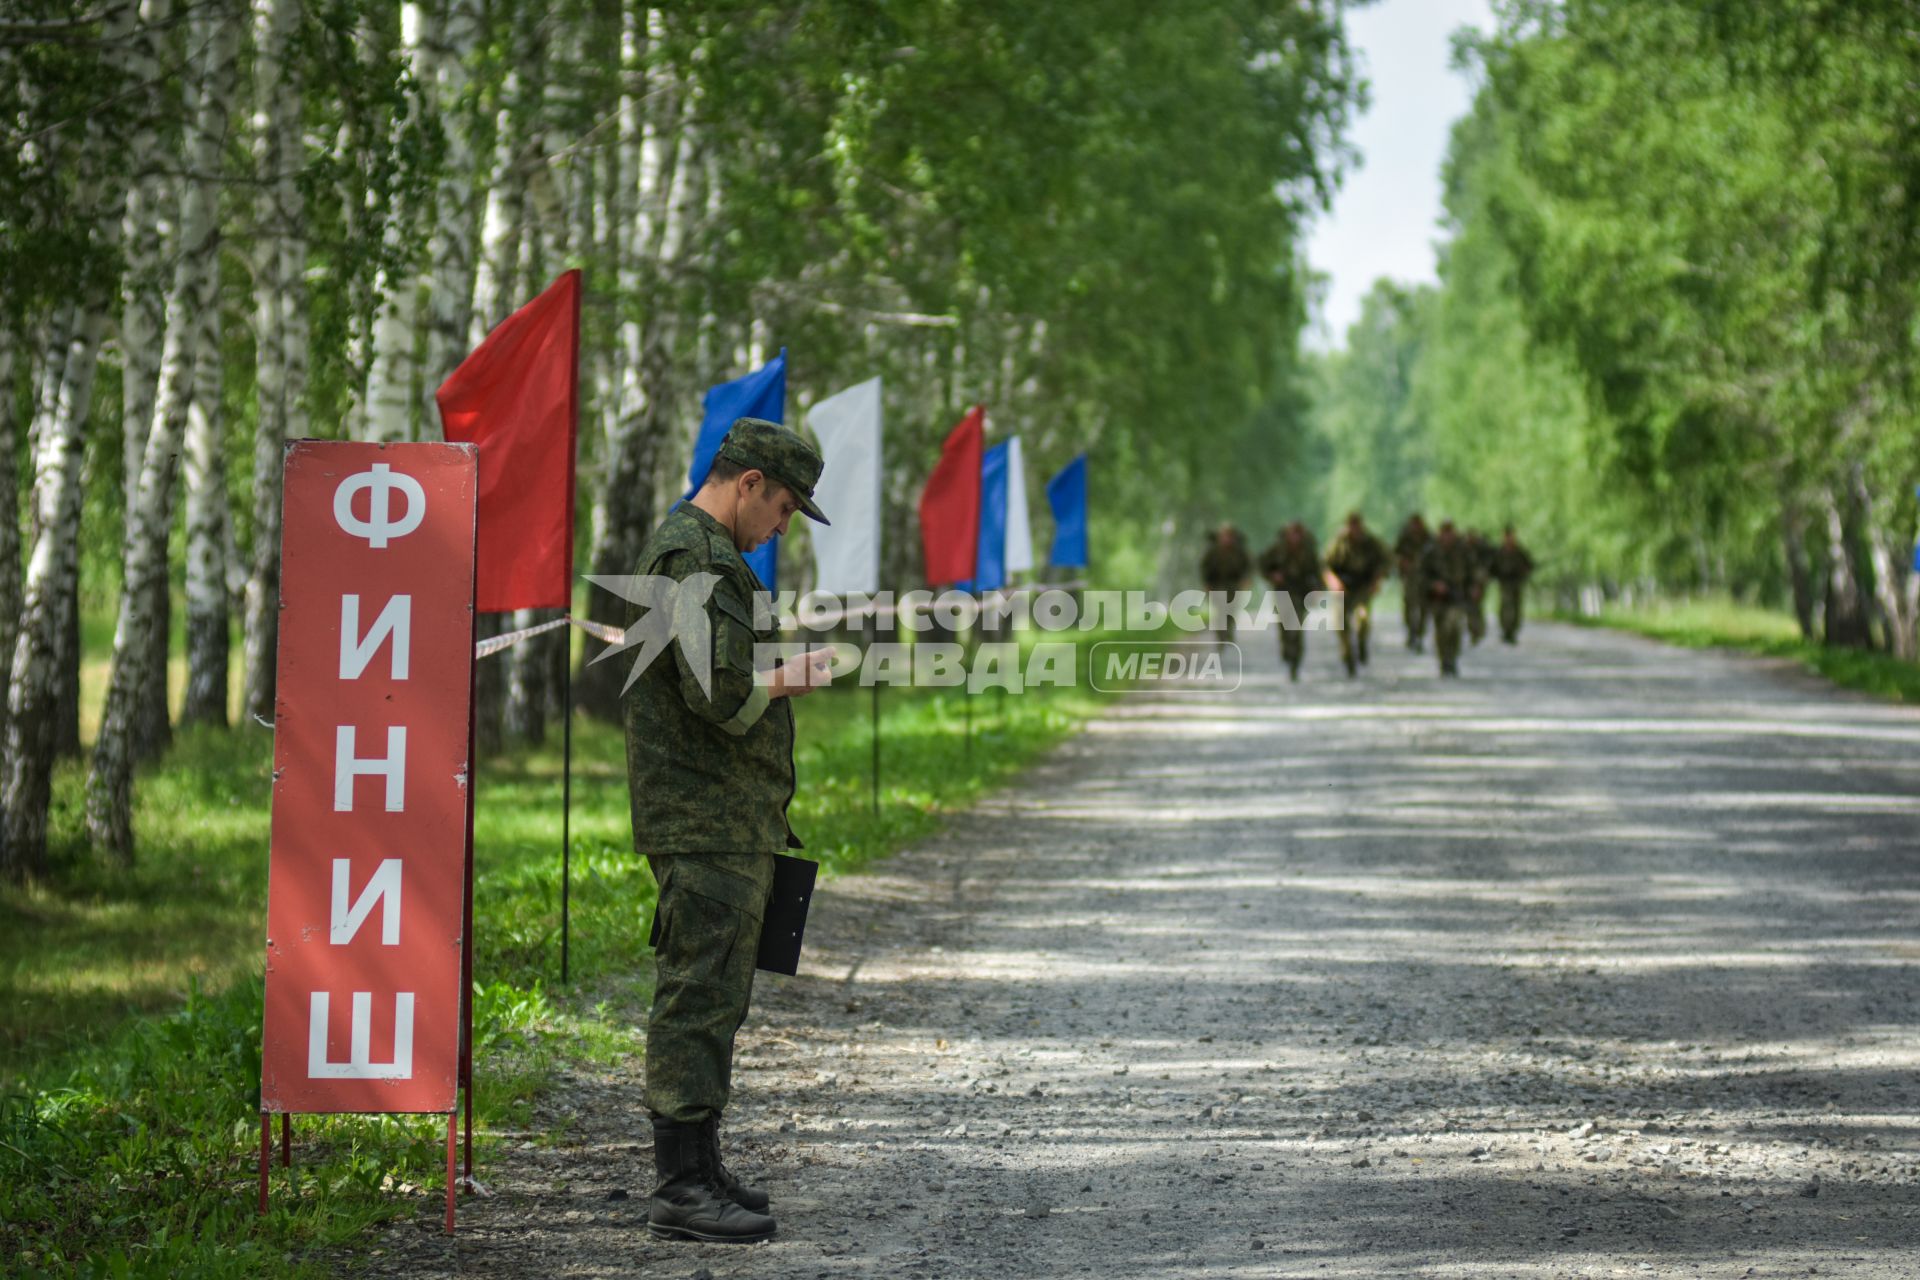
743,1195
689,1204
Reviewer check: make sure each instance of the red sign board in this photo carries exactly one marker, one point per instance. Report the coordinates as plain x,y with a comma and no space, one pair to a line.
366,872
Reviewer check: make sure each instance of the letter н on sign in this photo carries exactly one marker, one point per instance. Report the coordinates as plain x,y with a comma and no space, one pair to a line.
372,712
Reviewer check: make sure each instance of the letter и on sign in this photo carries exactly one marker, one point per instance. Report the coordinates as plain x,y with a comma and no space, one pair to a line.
366,868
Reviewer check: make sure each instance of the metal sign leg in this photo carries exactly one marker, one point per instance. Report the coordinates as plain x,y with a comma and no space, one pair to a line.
453,1129
266,1157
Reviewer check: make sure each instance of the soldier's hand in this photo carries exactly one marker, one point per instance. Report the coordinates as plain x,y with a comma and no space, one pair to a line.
801,675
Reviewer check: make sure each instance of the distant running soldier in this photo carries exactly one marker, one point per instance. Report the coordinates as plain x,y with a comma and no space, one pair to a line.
1512,566
1225,567
1448,568
1482,553
1409,547
1357,563
1292,565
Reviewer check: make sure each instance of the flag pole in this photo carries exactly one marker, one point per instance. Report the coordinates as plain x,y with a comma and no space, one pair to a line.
566,653
464,1079
966,702
873,634
566,794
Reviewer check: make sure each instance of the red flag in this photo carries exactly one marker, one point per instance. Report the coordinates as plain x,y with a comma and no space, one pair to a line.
517,397
950,505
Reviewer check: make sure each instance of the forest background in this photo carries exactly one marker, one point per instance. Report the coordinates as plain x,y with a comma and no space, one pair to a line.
1673,336
1672,339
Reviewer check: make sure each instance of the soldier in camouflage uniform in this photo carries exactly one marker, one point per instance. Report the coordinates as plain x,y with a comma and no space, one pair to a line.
1359,562
710,774
1448,567
1409,547
1482,553
1292,565
1512,566
1225,567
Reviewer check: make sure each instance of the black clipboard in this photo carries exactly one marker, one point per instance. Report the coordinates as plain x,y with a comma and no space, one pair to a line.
785,924
786,920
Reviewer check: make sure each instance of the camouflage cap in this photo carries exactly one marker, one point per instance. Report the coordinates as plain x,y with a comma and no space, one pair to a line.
781,454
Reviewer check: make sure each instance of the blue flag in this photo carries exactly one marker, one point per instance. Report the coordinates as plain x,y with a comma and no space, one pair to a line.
990,562
761,394
1067,495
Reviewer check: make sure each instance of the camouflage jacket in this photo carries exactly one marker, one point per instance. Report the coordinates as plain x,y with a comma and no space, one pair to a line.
1297,568
1360,563
1410,546
1512,564
1450,567
1482,559
708,770
1224,568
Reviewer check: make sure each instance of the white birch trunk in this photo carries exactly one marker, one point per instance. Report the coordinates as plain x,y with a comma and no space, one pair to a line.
9,498
389,392
58,334
61,408
208,526
154,201
359,138
194,296
450,248
144,290
65,378
660,164
502,244
209,517
279,291
51,567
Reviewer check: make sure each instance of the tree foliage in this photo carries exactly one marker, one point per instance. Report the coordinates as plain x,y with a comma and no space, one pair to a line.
1084,215
1674,335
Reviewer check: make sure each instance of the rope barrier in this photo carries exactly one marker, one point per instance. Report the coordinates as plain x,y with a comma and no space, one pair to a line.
614,635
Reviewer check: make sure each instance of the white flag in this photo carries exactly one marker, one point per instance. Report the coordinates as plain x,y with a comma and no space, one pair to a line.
1019,532
846,553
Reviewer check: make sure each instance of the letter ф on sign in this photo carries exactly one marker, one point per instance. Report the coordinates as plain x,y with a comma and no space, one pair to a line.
368,861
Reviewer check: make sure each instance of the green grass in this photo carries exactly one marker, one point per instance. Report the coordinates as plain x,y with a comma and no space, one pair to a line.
129,1053
1721,623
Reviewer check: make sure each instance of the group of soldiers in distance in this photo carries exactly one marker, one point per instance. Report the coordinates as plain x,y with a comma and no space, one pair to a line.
1443,577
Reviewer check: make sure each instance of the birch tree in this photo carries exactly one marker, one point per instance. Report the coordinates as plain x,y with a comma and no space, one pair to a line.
61,407
390,402
280,327
209,528
453,41
9,495
193,303
505,245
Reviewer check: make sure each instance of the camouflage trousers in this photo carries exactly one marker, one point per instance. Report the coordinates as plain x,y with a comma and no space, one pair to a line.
1354,637
1476,608
1413,590
711,907
1293,640
1449,620
1510,610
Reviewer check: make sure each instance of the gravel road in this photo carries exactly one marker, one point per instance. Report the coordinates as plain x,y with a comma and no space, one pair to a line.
1598,962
